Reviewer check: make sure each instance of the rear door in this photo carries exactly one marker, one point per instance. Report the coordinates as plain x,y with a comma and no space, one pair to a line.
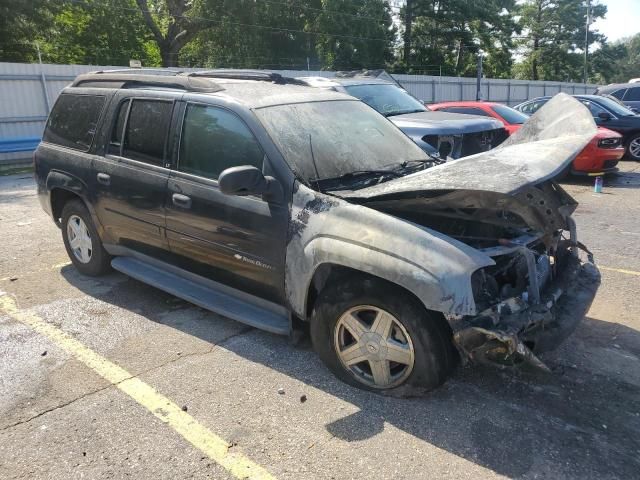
130,180
237,241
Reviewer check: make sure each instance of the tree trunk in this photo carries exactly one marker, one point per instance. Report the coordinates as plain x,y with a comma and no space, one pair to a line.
408,21
169,55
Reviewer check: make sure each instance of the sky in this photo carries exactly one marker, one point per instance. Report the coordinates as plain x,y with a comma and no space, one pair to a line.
622,20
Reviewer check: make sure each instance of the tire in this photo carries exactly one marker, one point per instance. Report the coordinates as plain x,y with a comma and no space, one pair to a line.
89,257
633,148
434,355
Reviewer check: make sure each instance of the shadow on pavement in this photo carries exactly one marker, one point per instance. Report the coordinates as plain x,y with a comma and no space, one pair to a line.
582,421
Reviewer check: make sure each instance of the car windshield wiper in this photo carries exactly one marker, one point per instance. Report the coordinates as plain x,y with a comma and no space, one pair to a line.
360,173
403,112
418,163
334,183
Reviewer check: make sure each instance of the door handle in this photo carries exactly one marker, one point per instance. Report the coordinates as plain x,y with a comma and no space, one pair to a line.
180,200
104,179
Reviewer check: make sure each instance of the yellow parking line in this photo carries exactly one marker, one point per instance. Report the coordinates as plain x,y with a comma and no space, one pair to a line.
619,270
160,406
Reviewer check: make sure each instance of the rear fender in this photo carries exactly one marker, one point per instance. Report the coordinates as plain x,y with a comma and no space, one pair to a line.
57,180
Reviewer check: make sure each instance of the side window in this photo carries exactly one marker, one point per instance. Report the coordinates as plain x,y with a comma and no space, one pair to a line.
619,93
73,121
528,108
593,108
115,142
214,139
633,95
146,130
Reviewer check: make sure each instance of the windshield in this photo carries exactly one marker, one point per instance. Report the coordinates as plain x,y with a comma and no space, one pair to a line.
510,115
336,138
387,99
615,107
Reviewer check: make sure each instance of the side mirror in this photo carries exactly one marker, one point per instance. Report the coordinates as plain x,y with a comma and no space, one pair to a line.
249,180
604,116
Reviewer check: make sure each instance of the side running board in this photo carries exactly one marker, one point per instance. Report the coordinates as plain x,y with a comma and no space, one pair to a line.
207,294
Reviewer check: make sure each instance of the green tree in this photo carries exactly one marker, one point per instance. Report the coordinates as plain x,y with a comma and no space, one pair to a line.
355,34
553,37
101,33
21,25
175,23
449,34
249,34
616,62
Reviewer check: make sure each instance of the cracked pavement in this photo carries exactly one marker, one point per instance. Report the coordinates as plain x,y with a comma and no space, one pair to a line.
59,419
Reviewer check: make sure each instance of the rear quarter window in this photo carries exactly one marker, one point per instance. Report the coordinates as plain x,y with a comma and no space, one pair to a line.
633,95
73,121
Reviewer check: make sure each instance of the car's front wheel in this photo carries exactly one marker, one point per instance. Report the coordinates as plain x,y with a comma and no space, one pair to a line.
376,336
81,240
633,147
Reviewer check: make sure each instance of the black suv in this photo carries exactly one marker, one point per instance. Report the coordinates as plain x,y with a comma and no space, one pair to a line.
288,207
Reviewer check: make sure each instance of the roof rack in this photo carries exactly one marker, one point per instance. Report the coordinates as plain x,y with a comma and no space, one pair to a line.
236,74
140,78
143,71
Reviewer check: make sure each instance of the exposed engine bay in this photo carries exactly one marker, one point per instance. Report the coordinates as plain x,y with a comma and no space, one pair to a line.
532,239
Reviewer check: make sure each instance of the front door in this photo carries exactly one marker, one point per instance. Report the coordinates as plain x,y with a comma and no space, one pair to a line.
130,181
237,241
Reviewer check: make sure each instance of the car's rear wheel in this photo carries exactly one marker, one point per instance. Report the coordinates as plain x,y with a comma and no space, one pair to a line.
633,147
376,336
81,240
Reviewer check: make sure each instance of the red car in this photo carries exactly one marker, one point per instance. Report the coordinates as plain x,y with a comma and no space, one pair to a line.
600,156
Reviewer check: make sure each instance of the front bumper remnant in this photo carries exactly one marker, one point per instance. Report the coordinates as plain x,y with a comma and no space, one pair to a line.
512,333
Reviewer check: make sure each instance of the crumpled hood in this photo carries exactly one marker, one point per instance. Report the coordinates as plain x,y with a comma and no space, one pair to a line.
545,145
443,123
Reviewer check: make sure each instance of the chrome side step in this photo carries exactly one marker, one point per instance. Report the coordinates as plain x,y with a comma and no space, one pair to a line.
207,294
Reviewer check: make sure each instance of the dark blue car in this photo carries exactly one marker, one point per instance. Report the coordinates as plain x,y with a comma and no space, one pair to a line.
607,113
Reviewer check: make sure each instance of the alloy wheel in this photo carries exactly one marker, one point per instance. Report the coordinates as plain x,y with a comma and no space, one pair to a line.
374,346
634,147
79,239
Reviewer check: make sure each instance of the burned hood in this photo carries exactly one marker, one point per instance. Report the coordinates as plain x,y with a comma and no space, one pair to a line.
442,123
541,149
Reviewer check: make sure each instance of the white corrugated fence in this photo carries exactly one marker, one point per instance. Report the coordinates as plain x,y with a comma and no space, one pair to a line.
27,92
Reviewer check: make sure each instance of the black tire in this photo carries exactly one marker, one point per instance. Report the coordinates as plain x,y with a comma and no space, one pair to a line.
434,353
100,260
631,156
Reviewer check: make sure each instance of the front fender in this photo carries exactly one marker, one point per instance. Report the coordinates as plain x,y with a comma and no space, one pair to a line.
328,230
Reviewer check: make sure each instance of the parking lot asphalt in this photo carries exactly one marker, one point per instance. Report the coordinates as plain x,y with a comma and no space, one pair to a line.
63,414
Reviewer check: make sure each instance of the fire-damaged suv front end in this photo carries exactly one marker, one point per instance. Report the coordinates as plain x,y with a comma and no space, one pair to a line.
536,280
540,286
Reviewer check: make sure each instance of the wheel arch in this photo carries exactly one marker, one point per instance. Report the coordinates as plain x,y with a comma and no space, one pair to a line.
62,188
329,272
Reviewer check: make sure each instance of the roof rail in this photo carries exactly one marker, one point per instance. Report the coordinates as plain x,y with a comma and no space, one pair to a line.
111,79
143,71
235,74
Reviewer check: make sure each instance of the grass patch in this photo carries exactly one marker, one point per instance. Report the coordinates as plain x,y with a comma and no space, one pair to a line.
15,170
